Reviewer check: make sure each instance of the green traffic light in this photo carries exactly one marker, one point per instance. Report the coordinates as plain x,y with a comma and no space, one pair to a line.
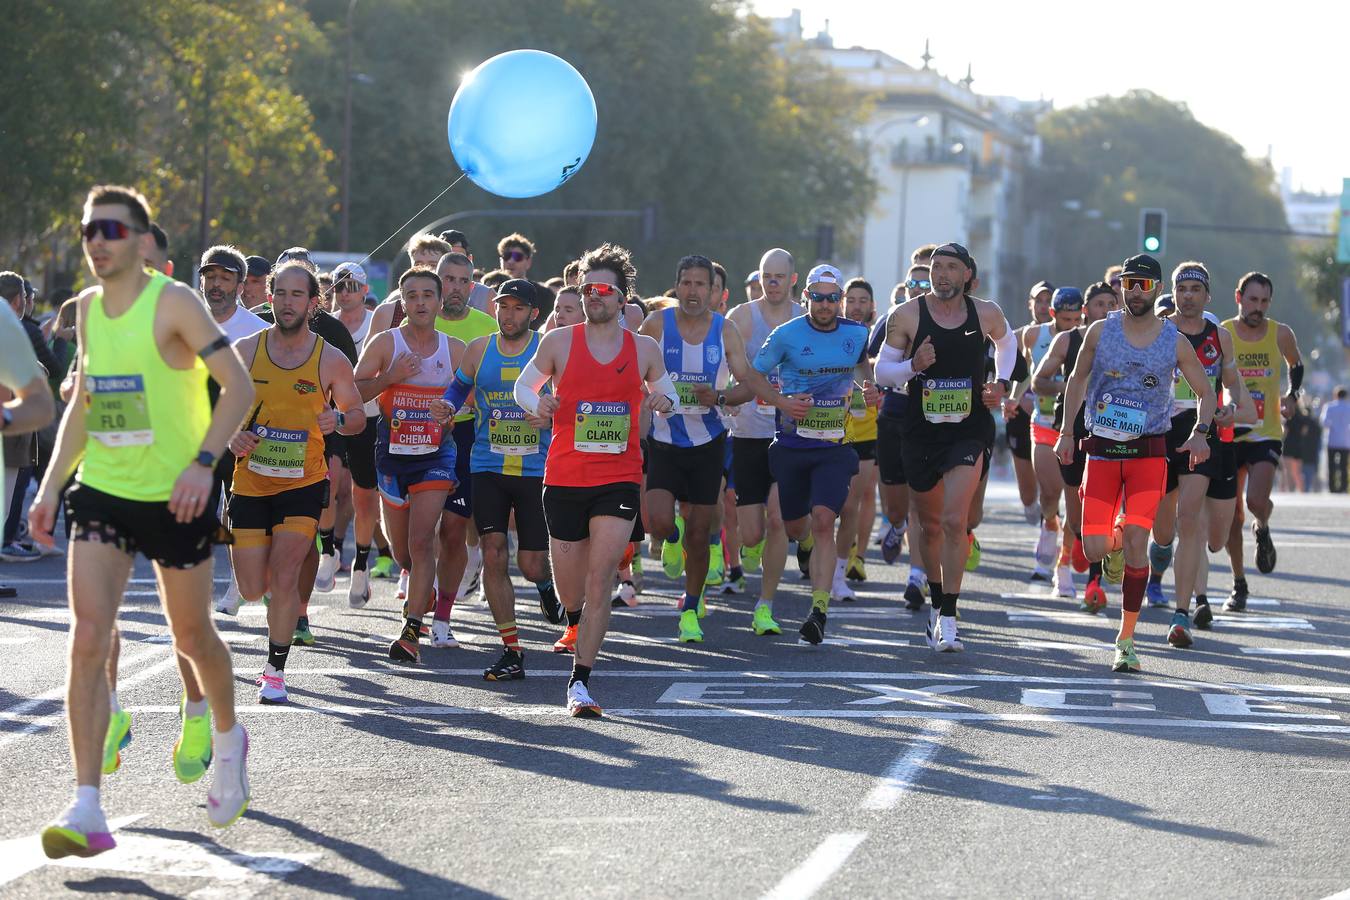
1151,244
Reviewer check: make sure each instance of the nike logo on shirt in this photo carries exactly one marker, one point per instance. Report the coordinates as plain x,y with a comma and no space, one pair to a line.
625,508
969,333
620,369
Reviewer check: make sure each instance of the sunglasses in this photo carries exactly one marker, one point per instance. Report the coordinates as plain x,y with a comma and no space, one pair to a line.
599,289
825,298
915,284
1139,284
348,287
514,256
110,229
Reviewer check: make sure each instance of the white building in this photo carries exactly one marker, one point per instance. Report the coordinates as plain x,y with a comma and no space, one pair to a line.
950,165
1308,212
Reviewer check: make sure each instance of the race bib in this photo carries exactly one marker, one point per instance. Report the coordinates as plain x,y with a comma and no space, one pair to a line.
1045,406
857,404
509,434
1182,396
1259,398
280,452
768,409
1118,418
686,403
602,427
115,412
412,430
947,399
825,421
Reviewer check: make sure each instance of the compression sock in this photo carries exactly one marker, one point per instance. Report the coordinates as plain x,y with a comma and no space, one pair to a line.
359,563
573,618
509,635
326,541
1159,558
688,602
276,655
948,607
1132,598
935,593
580,673
445,601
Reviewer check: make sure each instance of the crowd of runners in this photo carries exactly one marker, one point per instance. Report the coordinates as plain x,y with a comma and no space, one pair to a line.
472,423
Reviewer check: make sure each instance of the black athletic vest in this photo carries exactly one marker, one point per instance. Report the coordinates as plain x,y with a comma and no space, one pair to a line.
961,356
1070,360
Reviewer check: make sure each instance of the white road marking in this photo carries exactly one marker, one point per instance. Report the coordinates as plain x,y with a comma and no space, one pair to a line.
15,641
810,876
160,856
21,855
1063,645
1296,651
1290,623
1029,595
904,771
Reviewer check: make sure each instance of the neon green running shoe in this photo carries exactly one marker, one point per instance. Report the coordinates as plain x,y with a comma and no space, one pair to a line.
702,606
118,737
763,621
973,557
716,566
672,552
1113,566
752,556
192,753
384,568
303,636
1126,660
690,630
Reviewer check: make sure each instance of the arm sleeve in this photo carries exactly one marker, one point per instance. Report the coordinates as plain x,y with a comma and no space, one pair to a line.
665,387
459,389
528,386
893,370
1295,379
1005,354
1020,372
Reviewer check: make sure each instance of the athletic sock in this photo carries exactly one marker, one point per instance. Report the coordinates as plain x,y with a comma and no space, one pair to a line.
382,549
580,673
736,573
338,541
573,618
820,601
445,601
949,604
359,563
326,541
935,593
276,655
114,705
509,635
1095,571
688,602
1132,598
807,543
194,708
839,566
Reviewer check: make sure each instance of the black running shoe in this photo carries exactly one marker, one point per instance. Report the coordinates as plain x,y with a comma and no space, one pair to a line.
813,629
1237,600
1203,616
914,598
405,649
1265,548
804,560
511,667
550,605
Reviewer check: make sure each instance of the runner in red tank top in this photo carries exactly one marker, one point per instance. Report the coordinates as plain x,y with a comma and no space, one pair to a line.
594,466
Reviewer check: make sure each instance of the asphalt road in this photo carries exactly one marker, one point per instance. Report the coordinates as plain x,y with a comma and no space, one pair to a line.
742,767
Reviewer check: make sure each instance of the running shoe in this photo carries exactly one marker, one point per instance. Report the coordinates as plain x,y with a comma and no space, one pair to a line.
43,550
1179,635
1126,660
326,578
568,642
1063,585
231,600
116,740
690,631
637,573
973,553
441,635
1040,573
402,593
626,595
358,591
472,579
1237,599
1046,545
383,568
510,667
930,628
228,796
1265,548
717,563
752,556
841,591
1113,567
1153,595
763,622
804,556
14,552
272,688
1032,513
1204,617
672,552
734,585
1094,598
914,598
580,704
948,639
303,637
855,570
405,648
890,543
813,629
192,753
550,607
77,835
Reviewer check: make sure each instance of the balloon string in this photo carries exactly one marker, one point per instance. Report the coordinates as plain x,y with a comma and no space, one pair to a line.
412,219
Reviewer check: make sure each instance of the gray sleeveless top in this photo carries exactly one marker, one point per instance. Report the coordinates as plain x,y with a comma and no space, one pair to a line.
755,419
1130,390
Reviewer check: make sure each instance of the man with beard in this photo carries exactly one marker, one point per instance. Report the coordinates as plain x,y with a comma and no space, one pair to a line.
1124,374
253,292
221,276
1018,412
860,509
281,474
1259,342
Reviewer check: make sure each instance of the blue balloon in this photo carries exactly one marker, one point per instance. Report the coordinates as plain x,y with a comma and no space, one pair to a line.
522,123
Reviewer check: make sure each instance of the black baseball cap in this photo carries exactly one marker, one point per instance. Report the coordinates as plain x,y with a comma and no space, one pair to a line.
453,236
1041,285
955,251
1164,304
523,290
296,254
257,265
223,259
1142,266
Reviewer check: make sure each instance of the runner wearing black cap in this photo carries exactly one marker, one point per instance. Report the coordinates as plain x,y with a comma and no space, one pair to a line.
221,276
1017,409
253,292
936,345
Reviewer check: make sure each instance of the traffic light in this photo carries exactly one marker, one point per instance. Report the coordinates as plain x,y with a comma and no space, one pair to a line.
1152,230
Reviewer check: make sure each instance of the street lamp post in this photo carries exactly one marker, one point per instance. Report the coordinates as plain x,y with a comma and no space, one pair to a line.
347,134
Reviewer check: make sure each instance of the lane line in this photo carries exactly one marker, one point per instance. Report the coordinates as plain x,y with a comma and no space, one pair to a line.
905,769
1299,651
810,876
21,855
22,709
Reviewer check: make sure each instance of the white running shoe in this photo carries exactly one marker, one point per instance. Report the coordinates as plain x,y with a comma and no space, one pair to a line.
949,641
841,591
326,579
228,796
358,592
626,594
473,574
1047,546
930,631
272,688
1063,585
402,585
441,635
1040,572
231,600
580,704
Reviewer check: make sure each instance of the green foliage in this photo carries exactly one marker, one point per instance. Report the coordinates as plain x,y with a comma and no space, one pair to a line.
1320,275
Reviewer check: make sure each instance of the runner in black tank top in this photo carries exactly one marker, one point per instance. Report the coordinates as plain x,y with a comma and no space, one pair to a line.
950,388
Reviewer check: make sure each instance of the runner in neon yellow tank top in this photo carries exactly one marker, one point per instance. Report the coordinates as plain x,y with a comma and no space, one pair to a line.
148,441
1259,342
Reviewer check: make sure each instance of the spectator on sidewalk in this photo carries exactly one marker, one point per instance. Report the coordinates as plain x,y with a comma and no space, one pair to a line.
27,400
1336,423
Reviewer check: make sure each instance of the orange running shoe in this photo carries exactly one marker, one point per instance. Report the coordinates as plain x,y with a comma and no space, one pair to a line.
1080,561
568,642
